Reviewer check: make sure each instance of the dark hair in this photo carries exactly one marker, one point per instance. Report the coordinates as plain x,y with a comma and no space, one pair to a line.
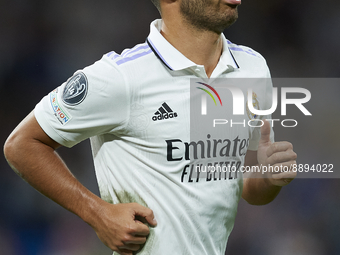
157,4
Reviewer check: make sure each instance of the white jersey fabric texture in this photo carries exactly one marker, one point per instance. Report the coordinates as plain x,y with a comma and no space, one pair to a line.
139,158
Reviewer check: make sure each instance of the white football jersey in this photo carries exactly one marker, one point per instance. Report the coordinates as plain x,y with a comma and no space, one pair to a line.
135,108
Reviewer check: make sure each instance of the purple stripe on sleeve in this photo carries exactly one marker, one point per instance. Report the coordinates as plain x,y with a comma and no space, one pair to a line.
236,49
251,52
115,56
246,51
137,48
127,59
110,53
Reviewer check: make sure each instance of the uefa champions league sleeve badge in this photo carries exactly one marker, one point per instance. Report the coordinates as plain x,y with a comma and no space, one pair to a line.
75,90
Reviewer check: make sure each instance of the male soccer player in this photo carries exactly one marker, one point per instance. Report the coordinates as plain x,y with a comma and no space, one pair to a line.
135,108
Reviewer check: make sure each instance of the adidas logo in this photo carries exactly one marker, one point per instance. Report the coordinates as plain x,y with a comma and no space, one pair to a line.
164,112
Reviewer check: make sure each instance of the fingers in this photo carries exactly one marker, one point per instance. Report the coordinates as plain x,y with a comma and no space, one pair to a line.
281,153
121,227
124,251
285,175
133,241
278,159
137,232
145,213
141,230
278,147
129,247
286,157
283,178
281,158
136,240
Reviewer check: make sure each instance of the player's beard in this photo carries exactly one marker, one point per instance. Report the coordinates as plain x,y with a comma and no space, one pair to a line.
207,15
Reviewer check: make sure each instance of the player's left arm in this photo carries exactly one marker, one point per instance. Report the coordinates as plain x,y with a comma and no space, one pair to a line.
261,187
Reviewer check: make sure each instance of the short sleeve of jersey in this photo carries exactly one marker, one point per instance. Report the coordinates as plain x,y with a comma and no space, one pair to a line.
93,101
256,134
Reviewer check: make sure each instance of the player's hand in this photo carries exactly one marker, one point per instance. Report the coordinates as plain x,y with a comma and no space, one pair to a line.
279,158
118,227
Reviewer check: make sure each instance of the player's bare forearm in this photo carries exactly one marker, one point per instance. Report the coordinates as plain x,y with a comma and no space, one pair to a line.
33,157
31,153
258,189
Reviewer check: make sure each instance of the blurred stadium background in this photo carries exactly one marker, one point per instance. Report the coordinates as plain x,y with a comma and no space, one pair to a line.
43,42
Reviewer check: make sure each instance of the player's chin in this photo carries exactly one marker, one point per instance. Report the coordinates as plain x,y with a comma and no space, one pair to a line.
229,19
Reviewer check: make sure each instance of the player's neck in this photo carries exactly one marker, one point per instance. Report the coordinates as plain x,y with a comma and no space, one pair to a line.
201,47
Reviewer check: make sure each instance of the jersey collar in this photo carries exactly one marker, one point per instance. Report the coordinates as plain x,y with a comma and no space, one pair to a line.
174,59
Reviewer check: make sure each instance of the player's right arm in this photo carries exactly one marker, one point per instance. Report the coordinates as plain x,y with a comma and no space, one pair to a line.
31,153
